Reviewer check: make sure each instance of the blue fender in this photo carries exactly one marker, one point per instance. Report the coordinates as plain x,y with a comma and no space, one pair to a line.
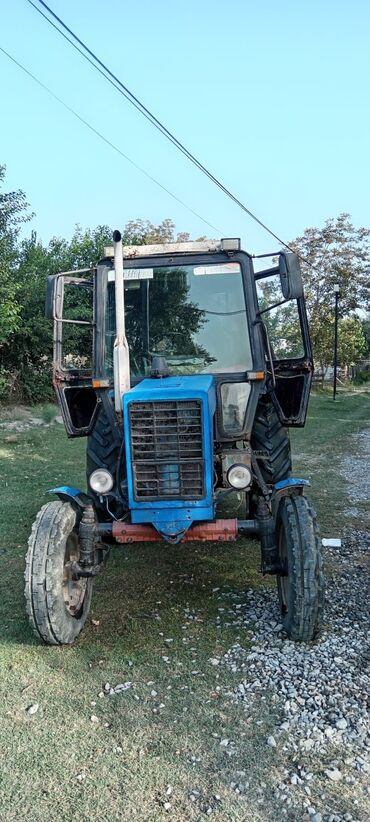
291,484
75,496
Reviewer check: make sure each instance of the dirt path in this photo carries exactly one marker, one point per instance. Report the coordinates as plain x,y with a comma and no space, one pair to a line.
355,468
321,693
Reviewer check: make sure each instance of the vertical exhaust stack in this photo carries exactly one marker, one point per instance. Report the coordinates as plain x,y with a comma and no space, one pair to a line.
121,356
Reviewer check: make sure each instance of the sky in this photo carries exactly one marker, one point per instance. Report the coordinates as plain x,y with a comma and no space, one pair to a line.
273,97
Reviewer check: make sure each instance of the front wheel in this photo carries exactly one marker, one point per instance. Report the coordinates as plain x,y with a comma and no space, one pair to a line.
57,601
301,586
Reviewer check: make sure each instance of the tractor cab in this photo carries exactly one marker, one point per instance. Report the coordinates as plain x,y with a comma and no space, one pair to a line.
184,364
195,307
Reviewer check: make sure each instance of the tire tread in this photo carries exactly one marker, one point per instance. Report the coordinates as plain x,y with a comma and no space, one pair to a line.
306,572
270,436
52,525
103,450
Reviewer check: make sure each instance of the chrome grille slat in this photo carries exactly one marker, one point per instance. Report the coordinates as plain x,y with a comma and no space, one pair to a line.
167,449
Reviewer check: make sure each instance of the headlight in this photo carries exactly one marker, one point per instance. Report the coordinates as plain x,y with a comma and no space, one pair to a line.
239,476
101,481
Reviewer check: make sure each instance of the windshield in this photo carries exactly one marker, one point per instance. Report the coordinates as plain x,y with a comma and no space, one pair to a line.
194,316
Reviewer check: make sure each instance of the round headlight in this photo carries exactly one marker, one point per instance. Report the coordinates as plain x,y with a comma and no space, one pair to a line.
101,481
239,476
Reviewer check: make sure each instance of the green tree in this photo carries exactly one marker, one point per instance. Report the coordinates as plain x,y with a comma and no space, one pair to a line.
366,330
13,212
338,253
27,350
351,341
143,232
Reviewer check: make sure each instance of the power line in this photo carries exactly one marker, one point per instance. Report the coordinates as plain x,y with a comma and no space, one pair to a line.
82,53
152,118
105,139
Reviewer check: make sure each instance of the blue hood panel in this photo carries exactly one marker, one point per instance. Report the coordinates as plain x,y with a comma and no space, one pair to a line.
168,430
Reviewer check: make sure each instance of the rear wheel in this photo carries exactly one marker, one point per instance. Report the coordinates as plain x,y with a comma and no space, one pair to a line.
301,586
103,451
270,441
57,601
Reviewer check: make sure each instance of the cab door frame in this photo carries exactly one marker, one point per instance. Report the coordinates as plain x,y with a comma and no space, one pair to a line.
290,378
74,388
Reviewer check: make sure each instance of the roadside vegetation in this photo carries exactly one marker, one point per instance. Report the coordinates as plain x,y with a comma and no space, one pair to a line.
338,253
174,741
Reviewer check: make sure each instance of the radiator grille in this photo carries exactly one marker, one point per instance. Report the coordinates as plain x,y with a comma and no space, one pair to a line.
167,449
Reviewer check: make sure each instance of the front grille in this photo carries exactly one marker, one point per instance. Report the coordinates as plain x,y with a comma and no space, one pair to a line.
167,449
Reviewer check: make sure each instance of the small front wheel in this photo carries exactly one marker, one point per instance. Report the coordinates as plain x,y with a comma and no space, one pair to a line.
57,601
301,585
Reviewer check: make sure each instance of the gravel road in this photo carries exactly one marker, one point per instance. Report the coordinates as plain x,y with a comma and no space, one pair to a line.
321,692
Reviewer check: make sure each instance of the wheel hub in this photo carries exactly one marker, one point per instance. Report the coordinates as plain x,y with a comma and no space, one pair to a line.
74,587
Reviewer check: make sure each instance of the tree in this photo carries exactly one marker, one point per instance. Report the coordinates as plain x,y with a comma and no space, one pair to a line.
13,212
366,331
338,253
143,232
27,348
351,341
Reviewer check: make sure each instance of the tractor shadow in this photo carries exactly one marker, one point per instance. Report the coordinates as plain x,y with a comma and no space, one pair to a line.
142,588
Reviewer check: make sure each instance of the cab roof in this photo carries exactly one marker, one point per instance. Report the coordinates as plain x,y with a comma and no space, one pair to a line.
192,247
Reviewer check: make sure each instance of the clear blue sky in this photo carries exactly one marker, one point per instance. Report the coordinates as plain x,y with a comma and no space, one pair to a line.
272,96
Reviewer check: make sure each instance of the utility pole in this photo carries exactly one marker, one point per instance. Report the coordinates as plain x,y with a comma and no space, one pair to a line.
336,292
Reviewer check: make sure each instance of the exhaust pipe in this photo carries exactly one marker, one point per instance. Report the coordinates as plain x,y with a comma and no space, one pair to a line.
121,356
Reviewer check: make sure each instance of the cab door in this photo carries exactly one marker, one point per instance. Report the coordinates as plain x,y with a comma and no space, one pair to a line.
70,304
288,351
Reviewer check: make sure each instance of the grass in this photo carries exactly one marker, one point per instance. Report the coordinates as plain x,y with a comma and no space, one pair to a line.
318,450
58,764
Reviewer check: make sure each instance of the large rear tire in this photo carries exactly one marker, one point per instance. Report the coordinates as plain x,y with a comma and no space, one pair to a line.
301,587
271,440
57,603
103,451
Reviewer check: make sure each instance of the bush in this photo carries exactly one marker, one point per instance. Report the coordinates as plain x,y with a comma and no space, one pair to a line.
48,413
29,385
35,384
361,378
6,385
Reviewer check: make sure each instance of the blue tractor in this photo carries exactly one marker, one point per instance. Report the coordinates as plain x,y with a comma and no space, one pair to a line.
183,365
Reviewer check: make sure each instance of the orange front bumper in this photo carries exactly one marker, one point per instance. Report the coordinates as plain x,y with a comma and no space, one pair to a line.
220,529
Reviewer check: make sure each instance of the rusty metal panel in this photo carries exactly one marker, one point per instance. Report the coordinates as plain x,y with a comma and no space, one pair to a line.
221,529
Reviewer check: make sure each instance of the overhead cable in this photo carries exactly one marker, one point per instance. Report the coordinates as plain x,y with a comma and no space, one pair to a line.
106,140
122,88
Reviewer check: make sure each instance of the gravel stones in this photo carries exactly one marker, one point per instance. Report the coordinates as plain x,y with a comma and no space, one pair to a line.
116,689
334,775
32,709
322,688
123,686
341,724
318,692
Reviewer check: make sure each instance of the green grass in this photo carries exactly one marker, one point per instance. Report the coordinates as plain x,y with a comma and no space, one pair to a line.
318,451
58,764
